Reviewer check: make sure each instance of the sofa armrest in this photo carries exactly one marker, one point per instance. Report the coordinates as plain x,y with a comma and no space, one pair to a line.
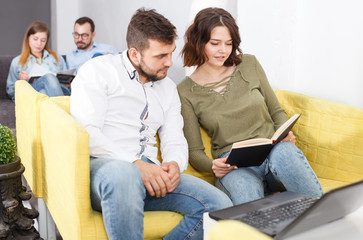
66,172
28,133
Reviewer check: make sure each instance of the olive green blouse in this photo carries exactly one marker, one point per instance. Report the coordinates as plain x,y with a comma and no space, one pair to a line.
248,108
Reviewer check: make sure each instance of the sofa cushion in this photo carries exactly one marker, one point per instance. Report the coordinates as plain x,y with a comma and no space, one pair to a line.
7,113
207,142
331,136
5,61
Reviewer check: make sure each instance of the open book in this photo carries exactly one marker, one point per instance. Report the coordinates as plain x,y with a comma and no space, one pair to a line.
64,77
253,152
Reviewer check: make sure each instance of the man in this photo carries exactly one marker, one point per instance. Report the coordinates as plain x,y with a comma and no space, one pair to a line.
83,34
123,101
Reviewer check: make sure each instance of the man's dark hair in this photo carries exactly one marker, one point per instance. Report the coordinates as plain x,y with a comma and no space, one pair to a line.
148,24
84,20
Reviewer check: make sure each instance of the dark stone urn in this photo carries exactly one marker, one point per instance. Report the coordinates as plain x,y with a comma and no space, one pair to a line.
16,221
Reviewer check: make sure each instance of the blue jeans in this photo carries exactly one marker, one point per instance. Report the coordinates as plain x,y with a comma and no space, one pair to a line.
118,192
285,168
49,85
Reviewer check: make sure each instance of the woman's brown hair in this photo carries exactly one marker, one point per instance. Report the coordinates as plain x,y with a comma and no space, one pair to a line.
32,29
198,34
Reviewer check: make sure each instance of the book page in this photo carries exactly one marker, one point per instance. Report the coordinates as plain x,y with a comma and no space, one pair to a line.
284,129
38,71
67,72
252,142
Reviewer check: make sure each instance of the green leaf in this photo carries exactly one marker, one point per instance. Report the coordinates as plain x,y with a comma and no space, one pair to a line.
7,145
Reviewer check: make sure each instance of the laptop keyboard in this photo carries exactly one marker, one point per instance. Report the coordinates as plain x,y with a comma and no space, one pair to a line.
267,218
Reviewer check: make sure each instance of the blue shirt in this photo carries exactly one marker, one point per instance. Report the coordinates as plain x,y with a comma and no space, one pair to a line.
16,68
77,58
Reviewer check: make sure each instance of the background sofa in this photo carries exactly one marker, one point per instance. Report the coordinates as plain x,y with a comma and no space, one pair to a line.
7,113
7,106
54,150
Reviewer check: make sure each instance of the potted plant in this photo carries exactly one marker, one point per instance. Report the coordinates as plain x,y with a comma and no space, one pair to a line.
16,221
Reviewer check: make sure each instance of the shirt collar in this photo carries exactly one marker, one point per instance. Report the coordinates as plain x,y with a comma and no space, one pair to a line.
131,69
45,54
94,45
128,66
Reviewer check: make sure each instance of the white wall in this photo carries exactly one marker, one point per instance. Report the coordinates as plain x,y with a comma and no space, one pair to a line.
112,19
63,14
329,50
307,46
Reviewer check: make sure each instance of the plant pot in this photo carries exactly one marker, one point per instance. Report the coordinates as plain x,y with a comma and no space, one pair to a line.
16,221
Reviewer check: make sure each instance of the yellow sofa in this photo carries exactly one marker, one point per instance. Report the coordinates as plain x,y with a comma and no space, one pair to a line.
331,136
54,150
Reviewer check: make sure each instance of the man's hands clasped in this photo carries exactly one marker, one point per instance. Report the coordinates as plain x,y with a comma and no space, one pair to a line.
157,180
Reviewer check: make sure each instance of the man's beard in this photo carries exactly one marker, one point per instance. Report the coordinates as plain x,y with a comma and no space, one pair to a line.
85,46
147,72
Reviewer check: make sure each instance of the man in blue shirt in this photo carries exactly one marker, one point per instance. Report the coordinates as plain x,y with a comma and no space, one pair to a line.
83,34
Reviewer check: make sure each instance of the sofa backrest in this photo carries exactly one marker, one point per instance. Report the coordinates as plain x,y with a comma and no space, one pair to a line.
5,61
330,135
322,133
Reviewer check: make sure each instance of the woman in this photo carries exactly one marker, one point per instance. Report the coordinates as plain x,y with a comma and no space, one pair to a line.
230,97
36,51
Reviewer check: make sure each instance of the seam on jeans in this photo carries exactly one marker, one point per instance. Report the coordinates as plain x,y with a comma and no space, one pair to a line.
101,176
198,225
307,165
225,190
206,209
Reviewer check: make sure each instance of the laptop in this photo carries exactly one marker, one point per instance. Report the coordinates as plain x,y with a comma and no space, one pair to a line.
285,214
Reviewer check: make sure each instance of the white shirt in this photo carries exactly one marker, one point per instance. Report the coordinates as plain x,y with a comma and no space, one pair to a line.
110,102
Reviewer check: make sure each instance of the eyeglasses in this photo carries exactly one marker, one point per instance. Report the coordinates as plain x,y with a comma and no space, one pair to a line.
84,36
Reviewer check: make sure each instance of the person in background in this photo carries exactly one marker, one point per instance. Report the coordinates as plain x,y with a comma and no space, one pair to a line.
229,95
35,51
87,48
123,101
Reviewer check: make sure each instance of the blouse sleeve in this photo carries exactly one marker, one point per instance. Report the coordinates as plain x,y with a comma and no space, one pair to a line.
277,114
197,156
